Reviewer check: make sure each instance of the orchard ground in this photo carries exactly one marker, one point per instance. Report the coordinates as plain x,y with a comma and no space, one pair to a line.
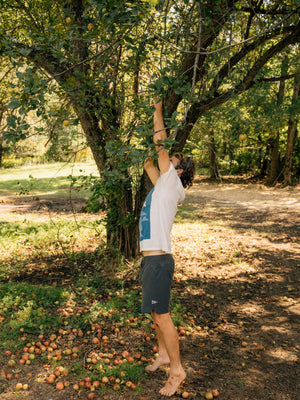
235,303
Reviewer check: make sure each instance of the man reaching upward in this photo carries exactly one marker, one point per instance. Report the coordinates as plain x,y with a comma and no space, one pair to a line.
157,268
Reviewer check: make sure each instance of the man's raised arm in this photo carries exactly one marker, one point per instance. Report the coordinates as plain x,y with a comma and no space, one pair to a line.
159,135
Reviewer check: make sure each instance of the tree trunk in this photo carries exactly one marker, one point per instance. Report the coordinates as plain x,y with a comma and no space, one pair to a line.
292,126
213,168
124,212
264,165
274,142
1,141
274,163
94,136
1,152
122,227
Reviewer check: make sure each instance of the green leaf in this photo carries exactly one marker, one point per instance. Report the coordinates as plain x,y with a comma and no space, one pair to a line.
11,121
14,103
25,52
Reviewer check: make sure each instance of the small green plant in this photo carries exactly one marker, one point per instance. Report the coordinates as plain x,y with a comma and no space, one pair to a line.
134,371
26,187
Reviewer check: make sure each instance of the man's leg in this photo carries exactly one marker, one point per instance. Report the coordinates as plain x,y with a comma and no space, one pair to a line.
170,342
163,357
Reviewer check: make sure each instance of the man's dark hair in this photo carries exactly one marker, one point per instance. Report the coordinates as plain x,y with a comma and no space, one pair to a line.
188,166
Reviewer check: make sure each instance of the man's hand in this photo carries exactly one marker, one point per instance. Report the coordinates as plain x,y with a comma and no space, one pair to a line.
158,105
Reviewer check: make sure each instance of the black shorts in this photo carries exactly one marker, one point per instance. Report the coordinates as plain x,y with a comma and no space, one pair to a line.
156,276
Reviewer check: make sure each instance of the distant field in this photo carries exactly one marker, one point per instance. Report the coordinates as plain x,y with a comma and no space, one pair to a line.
39,180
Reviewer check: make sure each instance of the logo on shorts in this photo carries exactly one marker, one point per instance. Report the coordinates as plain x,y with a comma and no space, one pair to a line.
154,302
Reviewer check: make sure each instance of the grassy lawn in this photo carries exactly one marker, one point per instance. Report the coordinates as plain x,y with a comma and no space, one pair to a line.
41,234
44,180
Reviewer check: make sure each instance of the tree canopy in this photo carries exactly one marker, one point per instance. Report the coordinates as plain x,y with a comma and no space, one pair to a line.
107,59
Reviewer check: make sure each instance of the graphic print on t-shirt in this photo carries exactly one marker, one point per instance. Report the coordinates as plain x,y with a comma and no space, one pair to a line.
145,227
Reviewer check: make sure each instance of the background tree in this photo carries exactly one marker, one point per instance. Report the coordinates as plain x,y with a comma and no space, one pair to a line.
274,139
292,132
108,58
5,78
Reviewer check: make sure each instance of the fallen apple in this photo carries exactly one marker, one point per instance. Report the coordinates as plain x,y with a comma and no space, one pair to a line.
50,379
59,386
95,340
66,123
125,354
11,363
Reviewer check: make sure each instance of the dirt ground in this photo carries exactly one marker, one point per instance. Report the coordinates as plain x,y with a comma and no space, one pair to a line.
237,274
251,266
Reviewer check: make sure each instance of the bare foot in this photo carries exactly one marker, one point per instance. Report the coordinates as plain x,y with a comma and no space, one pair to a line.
159,361
173,383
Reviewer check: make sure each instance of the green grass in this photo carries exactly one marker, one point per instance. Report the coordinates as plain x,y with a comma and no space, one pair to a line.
188,212
29,308
25,235
28,238
51,180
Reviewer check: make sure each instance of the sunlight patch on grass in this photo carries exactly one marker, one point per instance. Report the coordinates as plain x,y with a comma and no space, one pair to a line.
50,171
28,238
41,180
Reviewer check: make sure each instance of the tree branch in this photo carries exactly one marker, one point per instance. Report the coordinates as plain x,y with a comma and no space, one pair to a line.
208,36
249,81
186,68
229,65
262,11
276,78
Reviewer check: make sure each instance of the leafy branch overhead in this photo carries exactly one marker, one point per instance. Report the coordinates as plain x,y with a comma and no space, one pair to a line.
105,60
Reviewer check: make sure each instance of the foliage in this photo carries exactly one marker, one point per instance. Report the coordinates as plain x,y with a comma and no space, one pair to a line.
105,60
245,126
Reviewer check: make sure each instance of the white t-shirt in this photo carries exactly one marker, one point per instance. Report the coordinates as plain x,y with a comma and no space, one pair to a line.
159,210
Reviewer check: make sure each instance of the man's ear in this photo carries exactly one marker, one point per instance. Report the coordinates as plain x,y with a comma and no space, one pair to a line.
179,172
